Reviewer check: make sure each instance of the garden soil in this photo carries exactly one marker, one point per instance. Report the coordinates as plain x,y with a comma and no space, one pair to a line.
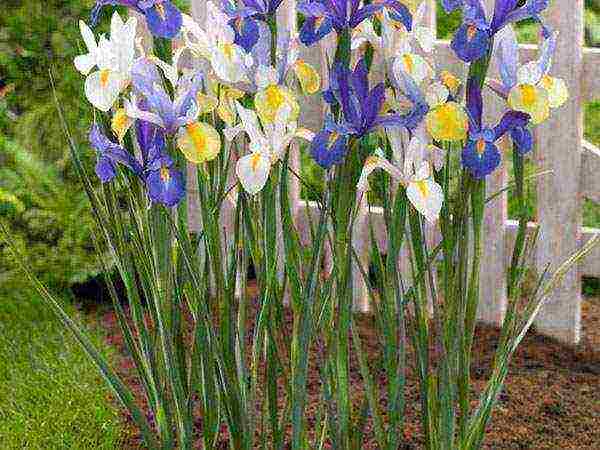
551,399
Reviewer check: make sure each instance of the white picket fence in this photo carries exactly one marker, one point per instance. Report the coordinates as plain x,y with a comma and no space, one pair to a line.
560,147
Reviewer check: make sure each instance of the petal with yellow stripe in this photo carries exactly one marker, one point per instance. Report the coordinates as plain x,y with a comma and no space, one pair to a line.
253,171
199,142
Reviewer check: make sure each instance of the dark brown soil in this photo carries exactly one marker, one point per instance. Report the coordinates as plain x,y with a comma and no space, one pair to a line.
551,399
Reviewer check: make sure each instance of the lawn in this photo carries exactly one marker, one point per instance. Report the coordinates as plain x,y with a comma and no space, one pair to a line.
51,395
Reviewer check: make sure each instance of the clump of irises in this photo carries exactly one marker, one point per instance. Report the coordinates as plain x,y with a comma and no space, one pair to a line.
197,140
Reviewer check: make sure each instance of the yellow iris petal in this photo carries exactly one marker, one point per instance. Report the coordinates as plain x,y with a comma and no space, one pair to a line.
268,102
447,122
530,99
309,78
199,142
557,90
120,123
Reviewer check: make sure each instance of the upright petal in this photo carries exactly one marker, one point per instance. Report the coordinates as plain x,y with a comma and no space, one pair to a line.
508,56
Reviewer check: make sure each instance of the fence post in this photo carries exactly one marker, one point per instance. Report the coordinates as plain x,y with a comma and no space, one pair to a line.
492,292
559,197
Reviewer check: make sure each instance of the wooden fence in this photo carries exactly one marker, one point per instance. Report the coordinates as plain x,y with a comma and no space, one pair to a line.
560,147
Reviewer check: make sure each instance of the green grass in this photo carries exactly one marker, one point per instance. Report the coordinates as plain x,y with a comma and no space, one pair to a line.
51,396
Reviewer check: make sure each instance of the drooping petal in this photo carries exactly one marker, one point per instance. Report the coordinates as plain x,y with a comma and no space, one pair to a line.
523,139
329,148
481,158
532,100
508,56
470,43
557,90
510,121
246,32
120,123
427,197
199,142
314,29
105,169
414,65
253,171
164,19
102,88
372,163
268,102
166,186
448,122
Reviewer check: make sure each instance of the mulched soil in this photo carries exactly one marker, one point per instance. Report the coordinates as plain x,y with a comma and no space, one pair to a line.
551,399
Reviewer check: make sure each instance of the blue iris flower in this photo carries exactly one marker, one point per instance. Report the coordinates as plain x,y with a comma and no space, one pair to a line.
110,154
323,16
245,19
165,184
481,155
158,107
361,112
163,18
473,38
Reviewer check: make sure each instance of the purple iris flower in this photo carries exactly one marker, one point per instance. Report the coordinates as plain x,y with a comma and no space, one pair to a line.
323,16
164,182
473,38
109,155
361,112
245,19
158,107
481,155
163,18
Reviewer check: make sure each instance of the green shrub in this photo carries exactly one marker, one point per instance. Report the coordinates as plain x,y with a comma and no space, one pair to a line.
49,218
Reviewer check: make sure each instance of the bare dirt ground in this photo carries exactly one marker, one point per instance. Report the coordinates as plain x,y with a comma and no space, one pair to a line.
551,399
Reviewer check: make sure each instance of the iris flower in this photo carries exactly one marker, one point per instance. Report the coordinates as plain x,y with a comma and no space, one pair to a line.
267,145
245,20
446,119
114,59
109,155
481,155
415,174
473,38
163,181
162,17
529,88
198,141
395,40
217,45
324,16
361,112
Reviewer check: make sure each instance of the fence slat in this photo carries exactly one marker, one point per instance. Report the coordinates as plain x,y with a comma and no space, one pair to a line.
559,198
492,303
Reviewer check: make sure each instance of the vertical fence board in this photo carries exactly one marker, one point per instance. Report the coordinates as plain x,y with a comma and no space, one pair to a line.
559,199
492,301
